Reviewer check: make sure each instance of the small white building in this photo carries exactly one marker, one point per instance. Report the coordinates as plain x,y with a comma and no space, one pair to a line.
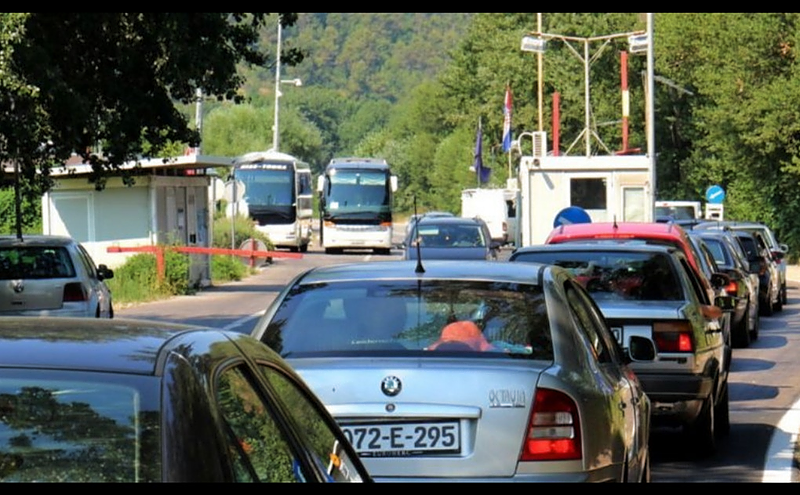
169,203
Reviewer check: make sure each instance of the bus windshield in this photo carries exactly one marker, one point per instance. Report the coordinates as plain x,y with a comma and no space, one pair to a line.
267,187
358,190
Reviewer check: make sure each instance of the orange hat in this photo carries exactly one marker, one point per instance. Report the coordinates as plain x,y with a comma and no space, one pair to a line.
463,331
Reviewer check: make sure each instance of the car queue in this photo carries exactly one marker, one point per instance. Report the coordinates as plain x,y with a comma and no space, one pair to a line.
400,327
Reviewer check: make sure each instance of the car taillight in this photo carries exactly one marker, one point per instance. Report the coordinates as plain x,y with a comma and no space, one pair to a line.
776,255
74,292
554,432
732,288
673,336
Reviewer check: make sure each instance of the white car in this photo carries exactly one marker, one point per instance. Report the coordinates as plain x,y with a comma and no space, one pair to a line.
46,275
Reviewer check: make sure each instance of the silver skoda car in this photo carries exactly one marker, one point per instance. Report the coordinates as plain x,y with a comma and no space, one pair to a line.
483,371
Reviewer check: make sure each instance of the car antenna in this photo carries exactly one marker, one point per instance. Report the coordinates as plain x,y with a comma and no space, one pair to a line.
419,268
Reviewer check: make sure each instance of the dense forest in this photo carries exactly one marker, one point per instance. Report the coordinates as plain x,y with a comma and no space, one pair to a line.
412,87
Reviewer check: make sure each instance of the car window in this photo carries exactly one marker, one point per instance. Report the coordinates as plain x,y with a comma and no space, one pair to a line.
409,317
87,261
35,262
611,275
589,323
79,428
697,285
260,445
323,441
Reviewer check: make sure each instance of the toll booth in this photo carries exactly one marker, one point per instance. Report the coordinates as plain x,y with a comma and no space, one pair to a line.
608,188
169,203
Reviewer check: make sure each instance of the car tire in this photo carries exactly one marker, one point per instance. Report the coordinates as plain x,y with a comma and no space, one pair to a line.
110,311
722,414
741,334
766,306
784,294
779,302
702,432
755,329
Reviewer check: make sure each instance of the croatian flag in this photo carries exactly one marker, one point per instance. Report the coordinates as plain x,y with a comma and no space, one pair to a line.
507,121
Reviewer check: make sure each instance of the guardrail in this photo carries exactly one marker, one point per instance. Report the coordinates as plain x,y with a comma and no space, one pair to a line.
158,251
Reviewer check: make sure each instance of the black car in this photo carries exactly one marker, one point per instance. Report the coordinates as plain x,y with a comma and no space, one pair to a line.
731,260
759,257
87,400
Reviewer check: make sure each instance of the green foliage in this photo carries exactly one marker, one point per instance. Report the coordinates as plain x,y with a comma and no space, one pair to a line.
31,213
243,230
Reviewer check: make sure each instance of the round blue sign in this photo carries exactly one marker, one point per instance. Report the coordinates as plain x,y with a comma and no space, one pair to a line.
571,214
715,195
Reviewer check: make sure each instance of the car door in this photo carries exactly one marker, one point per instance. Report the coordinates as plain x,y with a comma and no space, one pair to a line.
625,393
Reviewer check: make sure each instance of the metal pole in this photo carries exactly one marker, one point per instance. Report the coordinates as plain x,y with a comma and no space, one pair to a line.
541,82
588,135
198,117
277,87
651,131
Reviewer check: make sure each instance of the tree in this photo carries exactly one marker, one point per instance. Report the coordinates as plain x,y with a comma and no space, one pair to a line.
105,85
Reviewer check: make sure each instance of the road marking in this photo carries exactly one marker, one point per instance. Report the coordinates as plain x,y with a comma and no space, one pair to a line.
779,463
242,321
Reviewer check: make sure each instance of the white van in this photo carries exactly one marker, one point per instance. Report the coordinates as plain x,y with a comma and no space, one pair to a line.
496,207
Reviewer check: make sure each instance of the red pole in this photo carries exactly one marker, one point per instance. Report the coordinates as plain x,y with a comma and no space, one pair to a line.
252,253
160,265
556,119
625,99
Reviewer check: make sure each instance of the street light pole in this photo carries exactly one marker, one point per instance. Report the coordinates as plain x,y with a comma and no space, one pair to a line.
277,87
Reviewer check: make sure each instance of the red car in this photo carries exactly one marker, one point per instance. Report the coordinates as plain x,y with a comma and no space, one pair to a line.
665,233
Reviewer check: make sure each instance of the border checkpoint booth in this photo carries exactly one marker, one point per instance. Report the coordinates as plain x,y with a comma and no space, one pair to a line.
171,201
607,187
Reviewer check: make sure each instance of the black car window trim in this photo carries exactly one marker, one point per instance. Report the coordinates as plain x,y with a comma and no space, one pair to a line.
319,409
287,417
273,406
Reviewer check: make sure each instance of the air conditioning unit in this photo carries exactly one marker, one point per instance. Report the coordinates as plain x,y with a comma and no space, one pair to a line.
539,144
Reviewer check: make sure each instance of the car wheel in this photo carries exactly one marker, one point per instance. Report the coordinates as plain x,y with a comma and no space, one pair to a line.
741,334
766,307
784,295
779,301
722,414
110,311
755,329
702,432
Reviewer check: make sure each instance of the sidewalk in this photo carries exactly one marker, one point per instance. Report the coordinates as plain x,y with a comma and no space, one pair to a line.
793,273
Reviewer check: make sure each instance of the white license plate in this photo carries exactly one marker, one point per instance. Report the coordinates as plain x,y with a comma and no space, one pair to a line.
401,439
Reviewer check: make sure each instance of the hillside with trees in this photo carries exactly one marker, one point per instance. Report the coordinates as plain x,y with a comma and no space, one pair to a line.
412,87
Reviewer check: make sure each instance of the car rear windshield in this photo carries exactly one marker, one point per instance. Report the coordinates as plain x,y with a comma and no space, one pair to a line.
35,262
78,427
413,318
633,276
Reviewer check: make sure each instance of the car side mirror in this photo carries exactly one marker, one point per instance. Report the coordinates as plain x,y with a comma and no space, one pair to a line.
719,280
641,348
725,303
784,248
104,272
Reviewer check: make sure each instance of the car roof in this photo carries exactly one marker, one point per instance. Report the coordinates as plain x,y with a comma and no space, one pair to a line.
88,344
36,240
614,229
452,220
597,246
434,269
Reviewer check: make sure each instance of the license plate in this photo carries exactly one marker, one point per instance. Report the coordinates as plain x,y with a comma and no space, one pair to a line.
617,331
404,439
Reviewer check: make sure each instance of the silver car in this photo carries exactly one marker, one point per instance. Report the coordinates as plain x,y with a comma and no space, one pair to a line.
47,275
467,371
652,292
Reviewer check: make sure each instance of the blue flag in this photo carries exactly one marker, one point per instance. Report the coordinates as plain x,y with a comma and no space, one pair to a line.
481,171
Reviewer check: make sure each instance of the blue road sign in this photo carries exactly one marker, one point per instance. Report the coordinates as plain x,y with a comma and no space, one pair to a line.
571,214
715,195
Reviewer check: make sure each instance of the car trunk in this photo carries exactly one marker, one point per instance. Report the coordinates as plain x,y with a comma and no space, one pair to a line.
31,295
484,403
